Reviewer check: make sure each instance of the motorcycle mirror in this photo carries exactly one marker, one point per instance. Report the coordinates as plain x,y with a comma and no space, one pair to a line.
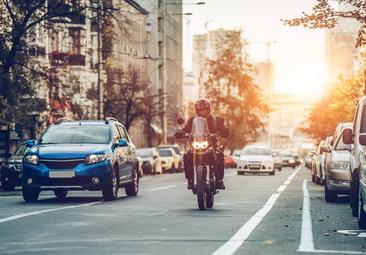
180,121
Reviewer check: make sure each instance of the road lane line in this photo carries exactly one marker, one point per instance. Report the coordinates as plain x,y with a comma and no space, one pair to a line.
232,245
163,188
306,241
23,215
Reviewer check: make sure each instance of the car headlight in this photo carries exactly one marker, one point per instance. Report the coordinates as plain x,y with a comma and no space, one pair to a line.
291,161
339,165
95,158
32,159
200,145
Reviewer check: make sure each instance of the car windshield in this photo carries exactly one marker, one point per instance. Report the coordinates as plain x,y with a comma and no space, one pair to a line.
165,153
287,155
144,153
76,134
256,151
22,149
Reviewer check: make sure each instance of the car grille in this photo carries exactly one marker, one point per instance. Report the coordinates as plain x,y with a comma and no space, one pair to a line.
17,167
61,164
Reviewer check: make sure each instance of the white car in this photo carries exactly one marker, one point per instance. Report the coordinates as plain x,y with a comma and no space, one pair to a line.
169,161
178,156
256,159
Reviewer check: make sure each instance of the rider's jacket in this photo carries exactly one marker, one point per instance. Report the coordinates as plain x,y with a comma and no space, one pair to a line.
215,125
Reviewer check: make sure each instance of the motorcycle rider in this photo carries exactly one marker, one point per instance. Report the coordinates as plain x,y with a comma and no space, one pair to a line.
215,126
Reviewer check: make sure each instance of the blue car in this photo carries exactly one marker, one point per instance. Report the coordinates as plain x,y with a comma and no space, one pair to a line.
81,155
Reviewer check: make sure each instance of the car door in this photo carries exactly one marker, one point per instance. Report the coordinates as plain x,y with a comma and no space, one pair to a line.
120,153
130,153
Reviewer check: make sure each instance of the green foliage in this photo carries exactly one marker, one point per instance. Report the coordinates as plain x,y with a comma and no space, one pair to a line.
233,93
324,15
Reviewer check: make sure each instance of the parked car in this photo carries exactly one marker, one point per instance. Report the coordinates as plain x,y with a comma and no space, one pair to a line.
150,160
308,159
287,159
277,160
229,162
298,160
10,172
178,156
326,157
337,172
81,155
256,159
169,162
316,165
356,137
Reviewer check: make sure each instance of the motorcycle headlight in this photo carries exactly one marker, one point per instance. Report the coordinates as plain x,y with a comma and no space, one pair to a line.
32,159
200,145
95,158
339,165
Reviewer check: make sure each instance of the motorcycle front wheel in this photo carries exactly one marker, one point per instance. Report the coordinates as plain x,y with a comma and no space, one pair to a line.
201,188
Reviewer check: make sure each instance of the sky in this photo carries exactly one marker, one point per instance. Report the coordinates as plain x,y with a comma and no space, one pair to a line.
298,53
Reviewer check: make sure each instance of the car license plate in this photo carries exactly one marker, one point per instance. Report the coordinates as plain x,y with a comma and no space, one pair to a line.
255,166
62,174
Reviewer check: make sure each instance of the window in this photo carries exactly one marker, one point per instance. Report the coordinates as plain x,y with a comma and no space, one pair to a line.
123,132
160,24
116,134
75,35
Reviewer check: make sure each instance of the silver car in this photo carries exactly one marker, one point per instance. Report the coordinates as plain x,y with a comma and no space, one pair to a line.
337,171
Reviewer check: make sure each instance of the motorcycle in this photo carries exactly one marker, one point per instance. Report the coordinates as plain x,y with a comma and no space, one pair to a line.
202,144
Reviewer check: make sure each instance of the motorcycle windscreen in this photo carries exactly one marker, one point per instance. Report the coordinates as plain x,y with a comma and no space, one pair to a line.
200,127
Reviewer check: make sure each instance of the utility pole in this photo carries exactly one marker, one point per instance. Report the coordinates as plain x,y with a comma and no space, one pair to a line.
99,82
165,75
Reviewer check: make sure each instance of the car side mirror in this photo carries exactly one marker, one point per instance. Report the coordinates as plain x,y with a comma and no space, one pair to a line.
122,143
347,136
362,139
326,148
30,143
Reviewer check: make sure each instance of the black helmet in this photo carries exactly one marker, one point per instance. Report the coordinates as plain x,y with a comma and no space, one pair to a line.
203,107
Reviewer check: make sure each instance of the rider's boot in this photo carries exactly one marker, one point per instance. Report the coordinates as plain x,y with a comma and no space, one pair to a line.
190,184
220,184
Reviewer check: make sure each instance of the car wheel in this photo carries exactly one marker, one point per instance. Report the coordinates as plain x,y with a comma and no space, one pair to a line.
6,186
354,196
280,169
313,178
110,190
173,169
329,196
272,173
361,213
61,193
317,180
133,188
241,173
30,195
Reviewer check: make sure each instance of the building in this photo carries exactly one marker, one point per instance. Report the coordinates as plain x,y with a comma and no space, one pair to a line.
340,51
204,49
287,114
190,92
263,75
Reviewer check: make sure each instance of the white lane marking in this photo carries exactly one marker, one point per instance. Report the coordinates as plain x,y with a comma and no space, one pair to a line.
362,235
232,245
163,188
281,188
23,215
306,241
335,252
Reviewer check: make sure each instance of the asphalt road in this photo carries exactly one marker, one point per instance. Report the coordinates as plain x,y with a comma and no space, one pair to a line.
256,214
